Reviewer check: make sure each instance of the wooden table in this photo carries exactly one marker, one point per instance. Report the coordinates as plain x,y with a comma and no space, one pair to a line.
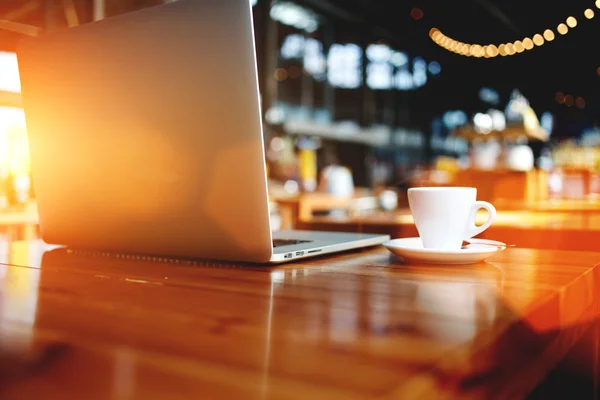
360,325
530,229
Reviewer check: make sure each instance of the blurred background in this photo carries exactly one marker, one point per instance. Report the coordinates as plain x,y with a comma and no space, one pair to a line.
362,99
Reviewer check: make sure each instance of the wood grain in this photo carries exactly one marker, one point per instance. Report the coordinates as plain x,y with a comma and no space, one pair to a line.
359,325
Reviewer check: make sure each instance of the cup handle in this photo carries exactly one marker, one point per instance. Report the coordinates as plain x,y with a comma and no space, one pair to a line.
474,230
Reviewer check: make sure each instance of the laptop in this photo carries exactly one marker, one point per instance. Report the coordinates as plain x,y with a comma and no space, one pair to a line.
146,137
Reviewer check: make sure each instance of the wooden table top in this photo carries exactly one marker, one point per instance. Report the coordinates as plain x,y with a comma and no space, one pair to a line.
76,325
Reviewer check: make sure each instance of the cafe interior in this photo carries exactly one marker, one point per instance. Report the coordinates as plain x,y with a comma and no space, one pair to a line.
361,100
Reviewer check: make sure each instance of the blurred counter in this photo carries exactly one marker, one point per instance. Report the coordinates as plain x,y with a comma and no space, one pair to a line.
527,229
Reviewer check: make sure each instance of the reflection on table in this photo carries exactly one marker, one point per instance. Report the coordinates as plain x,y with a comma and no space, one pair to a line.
356,325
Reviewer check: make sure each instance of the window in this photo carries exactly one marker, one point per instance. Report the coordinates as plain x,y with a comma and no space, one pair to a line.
345,66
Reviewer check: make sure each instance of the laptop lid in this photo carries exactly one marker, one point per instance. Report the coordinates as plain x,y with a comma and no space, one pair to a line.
145,133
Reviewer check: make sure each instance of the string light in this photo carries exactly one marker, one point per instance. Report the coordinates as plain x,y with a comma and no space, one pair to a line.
538,40
562,29
492,50
510,49
569,100
519,46
506,49
549,35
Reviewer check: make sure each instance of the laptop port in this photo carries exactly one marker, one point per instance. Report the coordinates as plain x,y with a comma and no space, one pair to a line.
288,255
299,253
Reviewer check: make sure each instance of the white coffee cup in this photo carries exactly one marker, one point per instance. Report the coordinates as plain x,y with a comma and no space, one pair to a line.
445,216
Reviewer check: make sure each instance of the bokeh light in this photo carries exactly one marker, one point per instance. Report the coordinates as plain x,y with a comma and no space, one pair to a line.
562,29
492,50
549,35
519,46
280,74
506,49
416,13
510,49
569,100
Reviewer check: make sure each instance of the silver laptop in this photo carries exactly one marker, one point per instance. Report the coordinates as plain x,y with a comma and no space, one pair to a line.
146,137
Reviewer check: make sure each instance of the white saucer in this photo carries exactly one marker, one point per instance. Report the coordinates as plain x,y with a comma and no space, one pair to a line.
411,250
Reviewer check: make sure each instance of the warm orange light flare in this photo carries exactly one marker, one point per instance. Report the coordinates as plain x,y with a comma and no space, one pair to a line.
528,43
9,73
572,22
538,40
14,148
589,13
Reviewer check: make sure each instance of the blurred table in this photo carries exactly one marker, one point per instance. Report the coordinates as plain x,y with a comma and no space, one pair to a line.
359,325
530,229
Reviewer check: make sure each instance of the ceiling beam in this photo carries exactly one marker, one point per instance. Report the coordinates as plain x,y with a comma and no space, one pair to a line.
70,13
99,10
20,12
20,28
